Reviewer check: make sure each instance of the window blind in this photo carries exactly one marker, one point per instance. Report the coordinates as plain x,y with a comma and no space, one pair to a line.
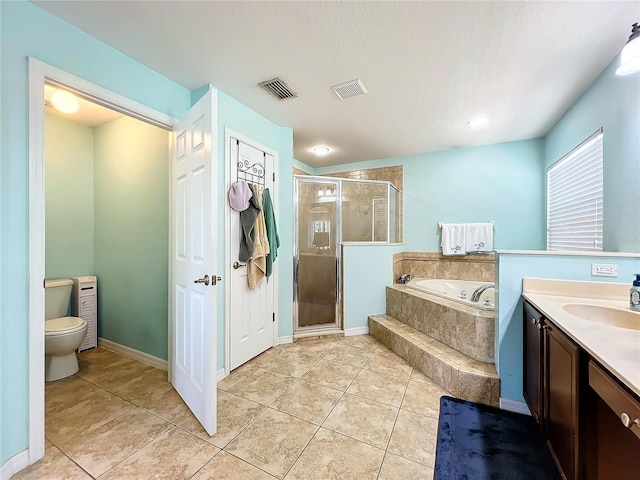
574,198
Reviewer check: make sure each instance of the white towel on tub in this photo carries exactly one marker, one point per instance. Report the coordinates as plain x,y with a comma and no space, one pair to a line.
479,238
453,239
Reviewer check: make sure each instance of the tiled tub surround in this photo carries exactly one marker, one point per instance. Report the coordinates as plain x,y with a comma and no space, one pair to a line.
435,265
451,343
464,328
462,376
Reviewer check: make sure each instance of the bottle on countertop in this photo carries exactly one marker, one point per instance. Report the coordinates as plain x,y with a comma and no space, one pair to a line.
634,301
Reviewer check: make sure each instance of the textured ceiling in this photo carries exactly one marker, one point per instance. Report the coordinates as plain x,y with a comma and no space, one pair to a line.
428,66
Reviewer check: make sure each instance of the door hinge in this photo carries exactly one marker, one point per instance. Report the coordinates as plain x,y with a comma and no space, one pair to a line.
274,316
274,176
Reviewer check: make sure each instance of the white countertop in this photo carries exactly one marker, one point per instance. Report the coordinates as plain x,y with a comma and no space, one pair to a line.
616,348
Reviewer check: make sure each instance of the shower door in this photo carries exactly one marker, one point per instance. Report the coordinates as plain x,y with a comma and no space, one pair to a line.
317,254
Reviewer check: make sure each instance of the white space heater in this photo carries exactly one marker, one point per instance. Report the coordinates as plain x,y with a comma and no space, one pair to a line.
84,304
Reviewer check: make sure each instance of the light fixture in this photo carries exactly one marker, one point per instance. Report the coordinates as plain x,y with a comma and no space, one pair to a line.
320,151
630,55
65,102
478,122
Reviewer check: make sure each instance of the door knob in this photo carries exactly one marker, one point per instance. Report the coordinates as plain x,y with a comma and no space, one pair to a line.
237,265
204,280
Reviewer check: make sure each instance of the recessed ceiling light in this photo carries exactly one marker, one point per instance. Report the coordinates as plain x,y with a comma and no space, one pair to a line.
478,122
320,151
65,101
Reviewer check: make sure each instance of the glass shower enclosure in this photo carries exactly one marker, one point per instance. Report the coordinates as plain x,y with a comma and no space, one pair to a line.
328,212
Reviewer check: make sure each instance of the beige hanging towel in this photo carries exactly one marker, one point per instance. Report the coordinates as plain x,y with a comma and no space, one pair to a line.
257,264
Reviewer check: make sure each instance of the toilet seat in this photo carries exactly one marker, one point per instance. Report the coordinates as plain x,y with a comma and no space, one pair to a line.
63,326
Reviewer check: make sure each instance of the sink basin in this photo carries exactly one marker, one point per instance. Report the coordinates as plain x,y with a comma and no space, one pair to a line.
615,317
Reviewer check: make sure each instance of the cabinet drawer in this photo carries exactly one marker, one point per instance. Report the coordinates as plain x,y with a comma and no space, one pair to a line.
625,406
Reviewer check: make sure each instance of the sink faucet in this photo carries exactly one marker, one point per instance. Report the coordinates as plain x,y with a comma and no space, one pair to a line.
475,297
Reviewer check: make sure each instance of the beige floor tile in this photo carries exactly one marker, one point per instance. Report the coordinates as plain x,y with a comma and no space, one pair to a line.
332,375
225,466
418,376
414,437
106,446
365,420
168,405
364,342
348,355
54,465
385,361
83,417
238,374
331,456
139,389
174,455
291,363
234,413
395,468
118,371
68,392
316,348
265,357
263,386
423,398
308,401
273,441
379,386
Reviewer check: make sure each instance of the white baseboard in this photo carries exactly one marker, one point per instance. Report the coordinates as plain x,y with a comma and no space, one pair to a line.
133,354
284,339
349,332
220,374
514,406
14,465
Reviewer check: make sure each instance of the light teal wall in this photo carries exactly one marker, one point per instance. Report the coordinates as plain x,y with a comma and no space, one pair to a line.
367,270
132,234
303,166
611,102
501,182
510,270
26,30
68,155
236,116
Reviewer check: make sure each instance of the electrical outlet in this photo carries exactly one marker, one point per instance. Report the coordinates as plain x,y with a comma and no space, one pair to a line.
604,270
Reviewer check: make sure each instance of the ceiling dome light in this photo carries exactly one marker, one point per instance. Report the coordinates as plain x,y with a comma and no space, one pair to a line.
630,55
478,122
65,102
321,151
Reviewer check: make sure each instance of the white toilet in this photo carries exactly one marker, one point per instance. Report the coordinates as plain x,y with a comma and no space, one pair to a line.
62,335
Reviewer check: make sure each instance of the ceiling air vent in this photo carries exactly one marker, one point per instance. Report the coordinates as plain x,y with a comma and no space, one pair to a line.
352,88
278,89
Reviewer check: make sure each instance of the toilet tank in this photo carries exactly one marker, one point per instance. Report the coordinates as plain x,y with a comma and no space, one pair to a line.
57,295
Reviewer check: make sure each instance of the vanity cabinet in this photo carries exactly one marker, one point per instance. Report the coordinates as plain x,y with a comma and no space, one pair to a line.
551,388
590,420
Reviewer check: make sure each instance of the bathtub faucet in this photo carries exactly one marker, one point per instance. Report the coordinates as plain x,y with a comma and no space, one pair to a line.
475,297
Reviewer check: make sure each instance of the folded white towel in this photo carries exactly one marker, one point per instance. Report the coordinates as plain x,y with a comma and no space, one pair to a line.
453,239
479,238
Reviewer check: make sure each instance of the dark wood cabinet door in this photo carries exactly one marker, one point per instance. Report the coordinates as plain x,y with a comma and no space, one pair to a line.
532,348
561,402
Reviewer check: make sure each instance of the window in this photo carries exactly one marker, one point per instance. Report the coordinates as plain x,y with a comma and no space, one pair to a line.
574,198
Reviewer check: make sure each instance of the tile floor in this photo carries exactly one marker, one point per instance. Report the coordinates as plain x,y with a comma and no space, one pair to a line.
323,409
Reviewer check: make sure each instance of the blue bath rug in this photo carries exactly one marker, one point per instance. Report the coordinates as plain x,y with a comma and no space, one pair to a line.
478,442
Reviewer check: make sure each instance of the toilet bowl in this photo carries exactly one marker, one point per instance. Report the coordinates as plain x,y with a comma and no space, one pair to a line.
62,334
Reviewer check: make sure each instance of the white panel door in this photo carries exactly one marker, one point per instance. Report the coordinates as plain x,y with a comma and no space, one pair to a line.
251,311
193,262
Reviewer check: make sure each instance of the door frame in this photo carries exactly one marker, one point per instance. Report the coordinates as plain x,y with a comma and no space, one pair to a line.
228,134
39,73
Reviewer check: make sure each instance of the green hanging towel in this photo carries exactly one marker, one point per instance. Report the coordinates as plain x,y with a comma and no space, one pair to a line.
272,230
